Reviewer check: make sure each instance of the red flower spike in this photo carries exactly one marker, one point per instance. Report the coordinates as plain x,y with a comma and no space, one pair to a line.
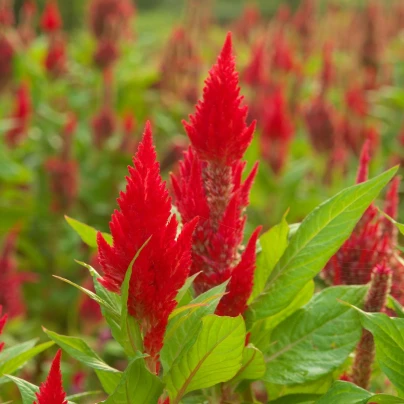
3,321
163,265
56,57
364,159
103,124
327,74
218,131
254,74
51,20
106,54
356,101
51,391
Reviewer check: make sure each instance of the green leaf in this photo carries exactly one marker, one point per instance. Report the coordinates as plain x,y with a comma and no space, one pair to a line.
12,352
85,394
399,226
297,399
261,330
182,330
252,365
318,238
394,304
214,358
316,339
389,341
273,245
385,399
78,349
137,386
11,365
185,288
87,233
344,392
27,390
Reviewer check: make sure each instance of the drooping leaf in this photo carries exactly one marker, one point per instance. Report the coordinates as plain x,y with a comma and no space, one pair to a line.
316,339
78,349
137,386
318,238
87,233
252,366
215,357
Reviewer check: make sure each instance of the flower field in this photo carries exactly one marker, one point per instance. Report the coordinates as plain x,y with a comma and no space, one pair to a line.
200,202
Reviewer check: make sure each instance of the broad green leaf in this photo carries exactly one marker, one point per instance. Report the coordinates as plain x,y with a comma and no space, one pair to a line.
261,330
388,334
394,304
12,352
27,390
344,392
11,365
185,288
215,357
182,330
297,399
87,233
252,365
78,349
385,399
273,245
137,386
85,394
316,339
318,238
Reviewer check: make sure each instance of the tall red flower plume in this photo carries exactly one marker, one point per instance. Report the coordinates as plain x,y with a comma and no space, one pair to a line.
56,57
6,61
21,115
6,14
51,391
209,185
218,131
282,58
103,125
163,265
51,20
277,131
3,321
106,54
254,73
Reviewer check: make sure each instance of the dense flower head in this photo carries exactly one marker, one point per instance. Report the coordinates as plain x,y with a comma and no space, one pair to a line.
218,131
51,391
282,58
103,124
163,265
51,20
56,57
277,130
106,54
6,61
20,115
254,73
3,320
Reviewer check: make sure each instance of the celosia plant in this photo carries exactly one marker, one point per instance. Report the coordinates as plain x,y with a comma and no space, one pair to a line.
3,320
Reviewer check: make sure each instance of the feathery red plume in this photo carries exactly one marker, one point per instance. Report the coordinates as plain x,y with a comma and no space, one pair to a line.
51,20
218,131
51,391
163,265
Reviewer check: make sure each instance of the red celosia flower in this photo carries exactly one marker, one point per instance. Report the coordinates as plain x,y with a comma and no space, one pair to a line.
11,297
106,54
248,22
128,128
209,186
282,58
3,321
356,101
51,391
6,61
56,58
327,74
21,115
217,130
254,73
26,26
51,20
163,265
6,13
277,131
103,126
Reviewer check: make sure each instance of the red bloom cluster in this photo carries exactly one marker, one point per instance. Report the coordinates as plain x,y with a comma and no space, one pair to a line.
103,124
6,60
106,54
21,115
277,131
3,320
51,20
373,242
282,58
51,391
248,22
209,185
6,13
56,57
254,73
163,265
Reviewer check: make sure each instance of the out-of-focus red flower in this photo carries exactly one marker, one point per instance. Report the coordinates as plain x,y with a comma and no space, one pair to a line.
11,296
6,61
106,54
6,13
51,20
248,22
21,115
282,58
277,130
356,101
254,73
327,73
304,21
89,310
26,26
209,185
109,18
3,320
56,58
103,124
371,46
128,129
218,131
51,391
163,265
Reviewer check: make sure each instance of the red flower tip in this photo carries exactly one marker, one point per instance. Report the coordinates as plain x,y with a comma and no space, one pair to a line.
364,160
51,20
392,199
218,129
51,391
163,264
3,321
